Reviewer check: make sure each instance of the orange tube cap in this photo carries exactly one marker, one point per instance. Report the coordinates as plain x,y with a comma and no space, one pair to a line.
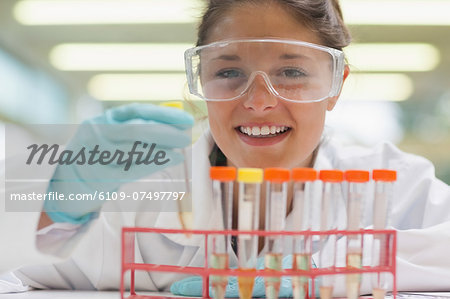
304,174
357,176
385,175
279,175
332,176
222,173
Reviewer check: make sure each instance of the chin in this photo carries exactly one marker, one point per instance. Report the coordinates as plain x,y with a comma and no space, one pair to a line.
261,162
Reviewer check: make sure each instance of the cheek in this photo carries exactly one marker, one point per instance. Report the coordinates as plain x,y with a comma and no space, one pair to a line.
217,110
213,118
311,115
310,121
219,117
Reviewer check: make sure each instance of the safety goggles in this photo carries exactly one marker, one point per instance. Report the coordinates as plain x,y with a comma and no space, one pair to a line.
294,71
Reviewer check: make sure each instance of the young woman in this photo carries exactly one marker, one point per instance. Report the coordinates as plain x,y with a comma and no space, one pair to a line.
269,71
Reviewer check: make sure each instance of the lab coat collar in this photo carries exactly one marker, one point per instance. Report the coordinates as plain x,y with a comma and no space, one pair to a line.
323,156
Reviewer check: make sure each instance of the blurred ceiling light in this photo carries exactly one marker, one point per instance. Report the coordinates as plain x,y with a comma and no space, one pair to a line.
396,12
377,87
53,12
137,87
122,57
396,57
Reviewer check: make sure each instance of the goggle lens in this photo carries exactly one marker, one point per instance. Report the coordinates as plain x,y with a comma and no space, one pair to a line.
292,70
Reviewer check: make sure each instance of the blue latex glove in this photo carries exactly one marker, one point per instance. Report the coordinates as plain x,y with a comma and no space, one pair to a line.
192,286
117,129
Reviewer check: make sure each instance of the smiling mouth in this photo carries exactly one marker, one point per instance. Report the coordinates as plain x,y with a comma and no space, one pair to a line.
264,131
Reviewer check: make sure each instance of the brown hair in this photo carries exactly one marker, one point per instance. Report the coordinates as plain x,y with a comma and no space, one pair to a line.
322,16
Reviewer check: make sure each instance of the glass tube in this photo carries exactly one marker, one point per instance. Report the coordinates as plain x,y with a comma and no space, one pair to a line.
303,179
356,193
384,182
185,213
249,180
276,200
222,181
331,192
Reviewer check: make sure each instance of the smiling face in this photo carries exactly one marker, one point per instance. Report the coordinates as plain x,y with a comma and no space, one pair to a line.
259,129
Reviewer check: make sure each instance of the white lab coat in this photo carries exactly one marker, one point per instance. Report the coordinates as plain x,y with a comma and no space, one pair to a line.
89,257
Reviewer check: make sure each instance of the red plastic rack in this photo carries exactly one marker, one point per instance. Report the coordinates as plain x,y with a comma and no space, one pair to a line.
129,264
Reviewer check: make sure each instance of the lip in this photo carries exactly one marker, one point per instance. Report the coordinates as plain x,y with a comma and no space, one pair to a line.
261,141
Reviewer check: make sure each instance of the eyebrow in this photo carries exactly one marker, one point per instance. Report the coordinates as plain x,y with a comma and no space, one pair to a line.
293,56
283,56
228,58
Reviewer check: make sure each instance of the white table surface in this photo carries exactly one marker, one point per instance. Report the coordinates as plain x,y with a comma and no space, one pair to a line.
61,294
49,294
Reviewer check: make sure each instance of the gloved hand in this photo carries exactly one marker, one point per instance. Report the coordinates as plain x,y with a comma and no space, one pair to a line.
118,129
192,286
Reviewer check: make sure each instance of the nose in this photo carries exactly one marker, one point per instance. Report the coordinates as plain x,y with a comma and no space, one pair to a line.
259,97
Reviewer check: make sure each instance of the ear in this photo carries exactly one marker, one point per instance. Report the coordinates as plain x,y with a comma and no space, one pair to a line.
332,101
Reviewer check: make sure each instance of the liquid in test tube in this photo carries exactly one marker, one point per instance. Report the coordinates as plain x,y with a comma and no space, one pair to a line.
249,180
303,179
276,201
356,193
332,191
384,182
222,181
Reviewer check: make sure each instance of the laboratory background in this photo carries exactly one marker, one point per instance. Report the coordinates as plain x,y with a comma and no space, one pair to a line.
63,61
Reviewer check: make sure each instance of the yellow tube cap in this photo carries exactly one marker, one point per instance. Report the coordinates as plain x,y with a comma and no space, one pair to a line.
173,104
250,175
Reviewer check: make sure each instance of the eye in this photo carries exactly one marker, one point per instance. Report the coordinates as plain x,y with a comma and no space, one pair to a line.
293,73
229,73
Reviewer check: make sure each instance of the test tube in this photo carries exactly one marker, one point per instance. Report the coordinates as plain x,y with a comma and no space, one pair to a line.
249,180
332,191
222,181
303,179
384,182
276,200
185,213
356,192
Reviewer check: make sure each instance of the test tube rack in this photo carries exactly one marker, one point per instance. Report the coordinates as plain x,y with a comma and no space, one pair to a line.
129,264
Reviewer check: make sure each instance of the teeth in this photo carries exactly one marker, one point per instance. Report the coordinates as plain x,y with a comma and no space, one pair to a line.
263,131
256,131
273,130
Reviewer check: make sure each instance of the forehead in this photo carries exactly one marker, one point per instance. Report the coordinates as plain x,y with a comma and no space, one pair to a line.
268,20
